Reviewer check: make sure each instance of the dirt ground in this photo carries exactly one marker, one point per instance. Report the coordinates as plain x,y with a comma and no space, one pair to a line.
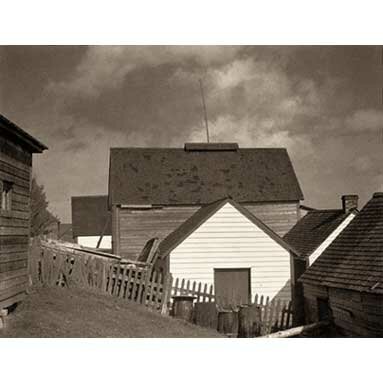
70,313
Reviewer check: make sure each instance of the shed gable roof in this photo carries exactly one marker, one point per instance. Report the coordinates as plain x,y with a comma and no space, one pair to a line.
354,260
202,215
313,229
194,175
90,216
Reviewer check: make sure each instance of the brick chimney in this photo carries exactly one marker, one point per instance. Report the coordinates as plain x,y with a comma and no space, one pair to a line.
349,202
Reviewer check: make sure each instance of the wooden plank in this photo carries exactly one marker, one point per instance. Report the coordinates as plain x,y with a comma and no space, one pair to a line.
152,282
289,314
187,289
13,290
204,293
182,289
211,296
176,287
135,283
141,288
12,282
128,283
198,293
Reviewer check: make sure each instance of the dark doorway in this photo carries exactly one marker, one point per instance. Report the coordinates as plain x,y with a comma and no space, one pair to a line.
232,286
324,311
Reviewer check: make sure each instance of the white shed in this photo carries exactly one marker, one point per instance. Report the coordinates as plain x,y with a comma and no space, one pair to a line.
225,245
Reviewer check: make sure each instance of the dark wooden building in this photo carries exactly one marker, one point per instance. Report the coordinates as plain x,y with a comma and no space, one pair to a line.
152,191
312,234
345,283
16,149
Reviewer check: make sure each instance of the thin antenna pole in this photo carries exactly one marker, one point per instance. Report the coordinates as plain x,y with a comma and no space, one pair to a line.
204,111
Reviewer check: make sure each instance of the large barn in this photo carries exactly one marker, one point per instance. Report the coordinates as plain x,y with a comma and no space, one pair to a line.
16,149
345,283
152,191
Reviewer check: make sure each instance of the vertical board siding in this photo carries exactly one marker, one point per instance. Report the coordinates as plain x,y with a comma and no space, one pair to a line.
136,226
330,238
15,166
230,240
279,216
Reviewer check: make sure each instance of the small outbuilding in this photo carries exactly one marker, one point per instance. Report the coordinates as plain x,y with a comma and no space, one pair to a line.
311,235
91,221
16,149
345,283
225,245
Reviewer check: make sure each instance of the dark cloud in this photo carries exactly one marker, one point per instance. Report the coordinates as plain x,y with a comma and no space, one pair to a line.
322,103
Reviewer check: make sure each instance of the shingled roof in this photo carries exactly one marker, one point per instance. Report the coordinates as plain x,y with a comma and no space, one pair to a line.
354,260
202,215
200,174
90,216
311,230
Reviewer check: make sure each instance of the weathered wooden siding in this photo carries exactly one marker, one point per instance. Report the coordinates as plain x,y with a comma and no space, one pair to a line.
354,314
330,238
279,216
137,226
92,240
230,240
15,167
132,228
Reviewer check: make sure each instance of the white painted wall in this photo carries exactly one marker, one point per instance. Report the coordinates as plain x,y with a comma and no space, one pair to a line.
230,240
320,249
91,241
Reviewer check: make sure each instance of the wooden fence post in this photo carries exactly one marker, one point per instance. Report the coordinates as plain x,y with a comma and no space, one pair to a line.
167,294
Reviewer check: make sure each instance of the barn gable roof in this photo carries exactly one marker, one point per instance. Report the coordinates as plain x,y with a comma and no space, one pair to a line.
200,174
354,260
202,215
312,230
19,135
90,216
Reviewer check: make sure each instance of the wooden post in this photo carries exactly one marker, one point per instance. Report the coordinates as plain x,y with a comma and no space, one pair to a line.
167,294
3,314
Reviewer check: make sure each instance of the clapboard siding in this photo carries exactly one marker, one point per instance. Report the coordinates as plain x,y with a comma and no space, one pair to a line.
134,227
15,166
230,240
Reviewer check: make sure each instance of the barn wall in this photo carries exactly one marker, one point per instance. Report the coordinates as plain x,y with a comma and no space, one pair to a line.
280,216
135,227
15,167
230,240
330,238
92,240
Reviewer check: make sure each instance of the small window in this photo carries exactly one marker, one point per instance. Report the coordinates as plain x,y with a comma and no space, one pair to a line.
6,195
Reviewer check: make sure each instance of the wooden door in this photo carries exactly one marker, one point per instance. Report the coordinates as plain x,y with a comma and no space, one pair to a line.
232,286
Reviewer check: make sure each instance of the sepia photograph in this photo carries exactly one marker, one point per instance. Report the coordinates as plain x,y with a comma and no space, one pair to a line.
193,191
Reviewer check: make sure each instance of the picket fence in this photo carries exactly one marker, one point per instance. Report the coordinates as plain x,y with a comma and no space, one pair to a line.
53,266
275,315
50,266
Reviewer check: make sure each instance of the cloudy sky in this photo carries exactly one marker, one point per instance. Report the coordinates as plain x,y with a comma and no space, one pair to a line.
322,103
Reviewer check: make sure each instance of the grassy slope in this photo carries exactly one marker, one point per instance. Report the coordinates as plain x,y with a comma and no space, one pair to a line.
58,312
